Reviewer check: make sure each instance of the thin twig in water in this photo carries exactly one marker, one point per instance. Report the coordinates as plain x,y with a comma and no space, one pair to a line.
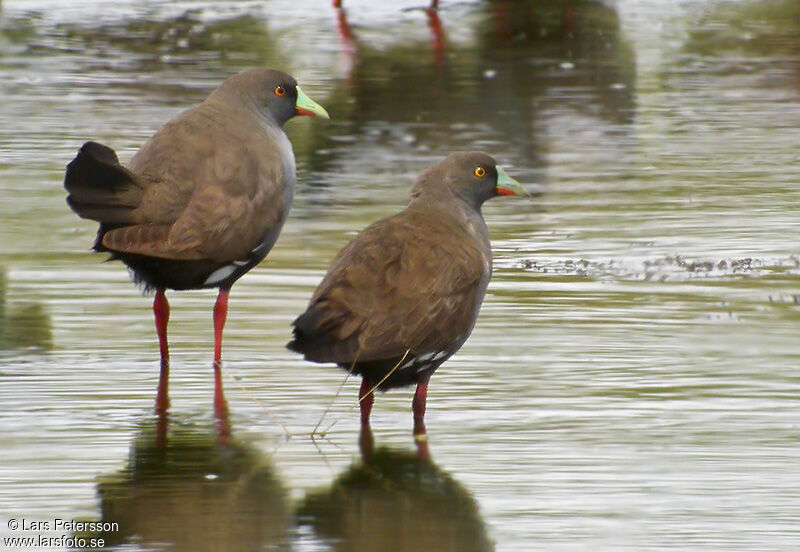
319,450
336,396
396,366
259,403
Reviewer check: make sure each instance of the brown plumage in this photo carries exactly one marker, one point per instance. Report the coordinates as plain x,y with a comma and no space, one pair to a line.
203,201
211,186
404,295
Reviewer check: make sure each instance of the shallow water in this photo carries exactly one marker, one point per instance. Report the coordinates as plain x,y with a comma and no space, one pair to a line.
632,380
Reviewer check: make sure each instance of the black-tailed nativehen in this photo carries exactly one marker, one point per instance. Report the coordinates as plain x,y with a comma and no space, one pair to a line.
404,295
203,201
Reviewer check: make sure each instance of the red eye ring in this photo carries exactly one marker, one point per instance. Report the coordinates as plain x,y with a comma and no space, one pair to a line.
479,172
280,91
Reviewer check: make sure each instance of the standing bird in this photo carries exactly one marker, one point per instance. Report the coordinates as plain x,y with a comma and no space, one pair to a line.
404,295
202,202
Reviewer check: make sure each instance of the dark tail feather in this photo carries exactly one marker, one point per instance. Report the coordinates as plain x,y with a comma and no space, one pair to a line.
305,331
100,188
314,337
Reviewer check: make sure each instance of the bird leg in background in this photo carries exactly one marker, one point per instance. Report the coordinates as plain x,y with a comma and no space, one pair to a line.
220,314
418,408
161,311
437,30
366,398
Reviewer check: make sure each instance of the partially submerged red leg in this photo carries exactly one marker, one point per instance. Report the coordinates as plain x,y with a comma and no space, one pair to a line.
161,311
220,314
423,451
366,397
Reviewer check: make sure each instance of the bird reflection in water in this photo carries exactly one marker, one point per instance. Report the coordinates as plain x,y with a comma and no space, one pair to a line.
395,500
195,490
24,326
523,73
347,37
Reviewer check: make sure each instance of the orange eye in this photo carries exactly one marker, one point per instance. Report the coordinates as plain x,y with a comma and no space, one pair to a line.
480,172
280,91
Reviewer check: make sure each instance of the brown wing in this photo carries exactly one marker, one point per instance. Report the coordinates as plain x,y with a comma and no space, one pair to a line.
402,284
212,191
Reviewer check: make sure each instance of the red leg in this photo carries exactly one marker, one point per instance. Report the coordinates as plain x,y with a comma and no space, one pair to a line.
161,311
220,314
435,25
420,397
418,407
366,397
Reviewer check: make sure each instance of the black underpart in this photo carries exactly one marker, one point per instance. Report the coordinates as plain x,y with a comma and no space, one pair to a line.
155,273
101,189
376,370
316,344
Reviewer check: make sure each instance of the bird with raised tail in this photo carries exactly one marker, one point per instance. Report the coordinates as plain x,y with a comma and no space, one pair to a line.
203,201
403,296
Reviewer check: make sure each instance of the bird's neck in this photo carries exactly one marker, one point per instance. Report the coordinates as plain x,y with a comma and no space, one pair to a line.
243,108
455,209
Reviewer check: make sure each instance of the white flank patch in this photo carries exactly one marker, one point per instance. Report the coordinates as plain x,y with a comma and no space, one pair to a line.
220,274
